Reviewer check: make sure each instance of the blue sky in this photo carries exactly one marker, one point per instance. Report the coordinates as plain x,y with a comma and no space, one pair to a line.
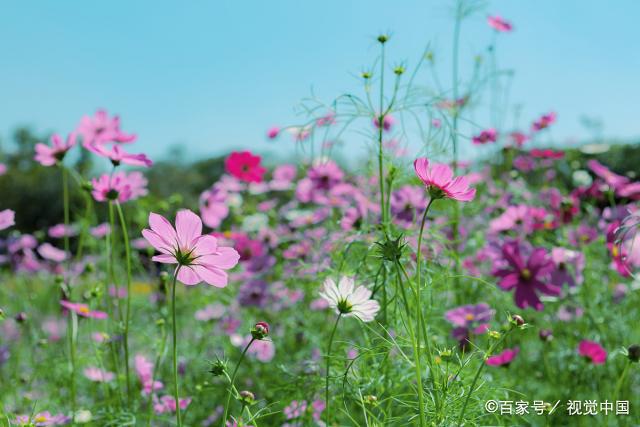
214,75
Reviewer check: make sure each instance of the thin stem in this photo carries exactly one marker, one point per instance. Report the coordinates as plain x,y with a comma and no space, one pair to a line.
70,326
415,343
232,381
380,119
235,390
326,388
475,378
621,380
176,393
127,251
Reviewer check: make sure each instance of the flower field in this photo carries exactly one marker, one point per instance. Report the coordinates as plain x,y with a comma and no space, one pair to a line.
465,272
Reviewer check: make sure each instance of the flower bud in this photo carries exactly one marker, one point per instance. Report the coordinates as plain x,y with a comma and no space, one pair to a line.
399,70
260,331
546,334
247,398
633,353
218,367
21,317
366,75
370,399
517,320
383,38
1,314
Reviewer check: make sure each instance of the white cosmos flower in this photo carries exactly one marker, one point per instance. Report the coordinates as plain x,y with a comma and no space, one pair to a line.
347,299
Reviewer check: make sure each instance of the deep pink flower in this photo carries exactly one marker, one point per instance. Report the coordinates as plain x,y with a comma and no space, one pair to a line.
273,132
504,358
387,122
83,310
198,256
486,136
118,156
101,129
544,122
612,179
499,24
592,350
51,155
528,277
7,218
547,154
469,319
167,404
245,166
120,186
440,181
518,138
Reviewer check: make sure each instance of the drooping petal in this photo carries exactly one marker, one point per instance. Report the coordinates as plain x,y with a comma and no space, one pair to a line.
165,259
211,275
188,276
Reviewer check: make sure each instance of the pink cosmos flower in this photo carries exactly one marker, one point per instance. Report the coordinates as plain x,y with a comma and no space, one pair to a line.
592,350
7,218
83,310
528,277
167,404
283,176
51,253
469,319
245,166
612,179
504,358
198,256
144,369
486,136
98,375
440,181
118,156
120,186
499,24
3,169
214,206
544,122
49,156
101,129
273,132
100,230
387,122
42,419
60,230
518,138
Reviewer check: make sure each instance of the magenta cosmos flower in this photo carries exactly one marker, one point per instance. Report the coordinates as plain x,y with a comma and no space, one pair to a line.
245,166
51,155
592,350
544,121
101,129
440,181
469,319
83,310
486,136
501,25
7,218
198,256
504,358
528,277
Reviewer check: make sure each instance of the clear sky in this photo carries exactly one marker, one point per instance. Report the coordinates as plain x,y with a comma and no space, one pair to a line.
214,75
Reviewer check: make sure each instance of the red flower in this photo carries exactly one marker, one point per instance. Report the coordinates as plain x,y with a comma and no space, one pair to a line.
245,166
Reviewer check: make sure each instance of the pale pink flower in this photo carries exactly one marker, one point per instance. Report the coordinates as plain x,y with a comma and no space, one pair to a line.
120,186
83,310
7,218
51,155
198,256
168,404
101,129
51,253
98,375
144,369
118,156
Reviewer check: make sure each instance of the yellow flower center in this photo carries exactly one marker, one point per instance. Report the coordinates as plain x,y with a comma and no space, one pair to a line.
469,316
83,310
40,419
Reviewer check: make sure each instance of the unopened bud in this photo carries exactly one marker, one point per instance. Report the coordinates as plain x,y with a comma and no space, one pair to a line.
633,353
517,320
260,330
247,397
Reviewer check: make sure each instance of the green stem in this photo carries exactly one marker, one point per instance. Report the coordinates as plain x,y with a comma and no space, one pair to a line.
621,380
380,119
326,388
70,325
235,390
127,251
232,381
176,393
416,345
478,372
